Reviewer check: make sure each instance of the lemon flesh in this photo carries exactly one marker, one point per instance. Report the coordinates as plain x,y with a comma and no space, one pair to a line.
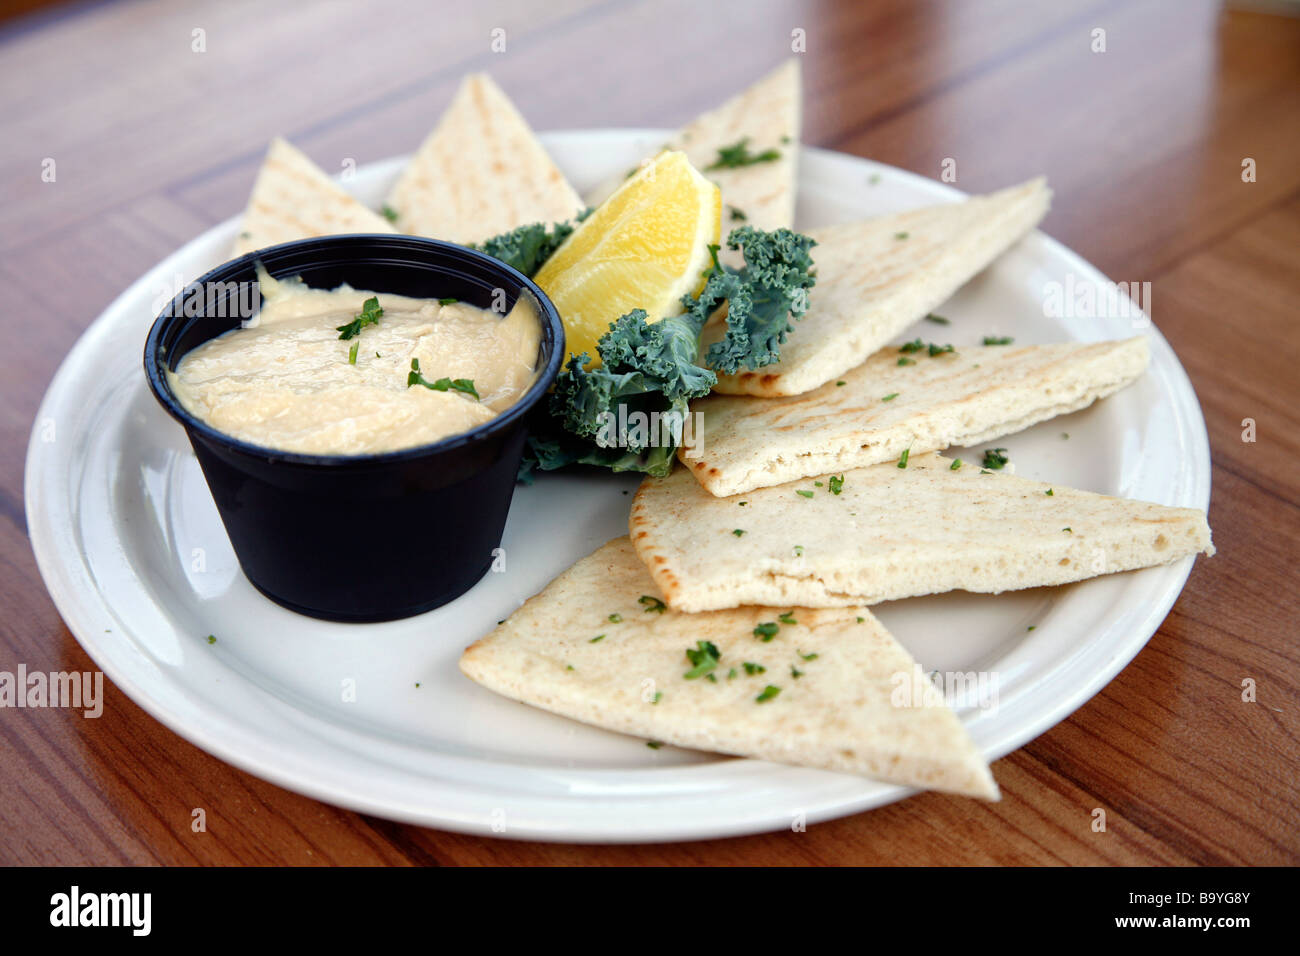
644,247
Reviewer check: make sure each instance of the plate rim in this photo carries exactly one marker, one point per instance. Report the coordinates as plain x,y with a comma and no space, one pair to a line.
60,582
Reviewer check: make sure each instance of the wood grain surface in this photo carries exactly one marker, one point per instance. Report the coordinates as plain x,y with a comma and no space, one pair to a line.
1143,144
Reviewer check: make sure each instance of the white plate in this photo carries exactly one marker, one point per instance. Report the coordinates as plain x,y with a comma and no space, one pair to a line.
130,546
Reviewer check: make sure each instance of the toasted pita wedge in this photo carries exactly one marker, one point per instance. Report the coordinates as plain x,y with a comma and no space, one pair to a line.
767,116
843,712
892,533
879,409
294,199
876,278
481,172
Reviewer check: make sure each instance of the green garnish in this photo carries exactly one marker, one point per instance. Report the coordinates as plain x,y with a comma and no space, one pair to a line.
652,604
738,532
448,301
836,483
1070,530
704,659
940,349
737,215
900,235
798,551
873,179
998,340
937,318
465,385
838,384
807,657
731,674
902,459
862,620
913,346
890,397
659,695
654,744
906,361
1031,627
596,639
352,353
389,212
956,464
734,157
804,494
751,668
1049,493
369,315
795,672
787,618
817,483
766,631
994,459
742,503
769,693
212,639
616,619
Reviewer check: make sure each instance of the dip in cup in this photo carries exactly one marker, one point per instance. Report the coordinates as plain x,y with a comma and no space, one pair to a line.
368,537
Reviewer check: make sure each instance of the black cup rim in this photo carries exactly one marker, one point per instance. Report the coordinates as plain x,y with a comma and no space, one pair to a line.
155,370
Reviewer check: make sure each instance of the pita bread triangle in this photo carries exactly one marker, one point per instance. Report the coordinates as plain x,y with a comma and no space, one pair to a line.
875,412
592,647
894,532
877,277
766,116
481,172
293,198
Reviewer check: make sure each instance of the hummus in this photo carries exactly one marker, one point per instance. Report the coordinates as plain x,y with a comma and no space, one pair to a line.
286,380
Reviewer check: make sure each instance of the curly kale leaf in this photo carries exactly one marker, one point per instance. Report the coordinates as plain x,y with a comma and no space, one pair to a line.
761,297
528,247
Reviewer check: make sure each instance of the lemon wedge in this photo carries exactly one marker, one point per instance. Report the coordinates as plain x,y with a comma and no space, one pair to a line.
644,247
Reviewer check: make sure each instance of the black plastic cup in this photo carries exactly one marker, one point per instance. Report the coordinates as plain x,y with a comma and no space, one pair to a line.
358,537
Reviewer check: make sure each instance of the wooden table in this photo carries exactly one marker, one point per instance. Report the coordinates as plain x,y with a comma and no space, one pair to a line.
1143,143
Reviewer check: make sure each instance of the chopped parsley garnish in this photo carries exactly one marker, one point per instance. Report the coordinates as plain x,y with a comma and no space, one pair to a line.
1031,627
1070,530
906,361
862,620
1065,436
817,483
836,483
738,532
840,384
737,215
654,744
994,459
448,301
937,318
902,459
769,693
913,346
787,618
751,668
901,235
1049,493
766,631
795,672
352,353
597,639
652,604
659,695
998,340
956,464
890,397
369,315
734,157
742,503
804,494
465,385
731,674
798,551
616,619
389,212
704,659
940,349
212,639
807,657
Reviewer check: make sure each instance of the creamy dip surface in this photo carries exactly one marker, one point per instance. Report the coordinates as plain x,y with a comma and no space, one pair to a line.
284,380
